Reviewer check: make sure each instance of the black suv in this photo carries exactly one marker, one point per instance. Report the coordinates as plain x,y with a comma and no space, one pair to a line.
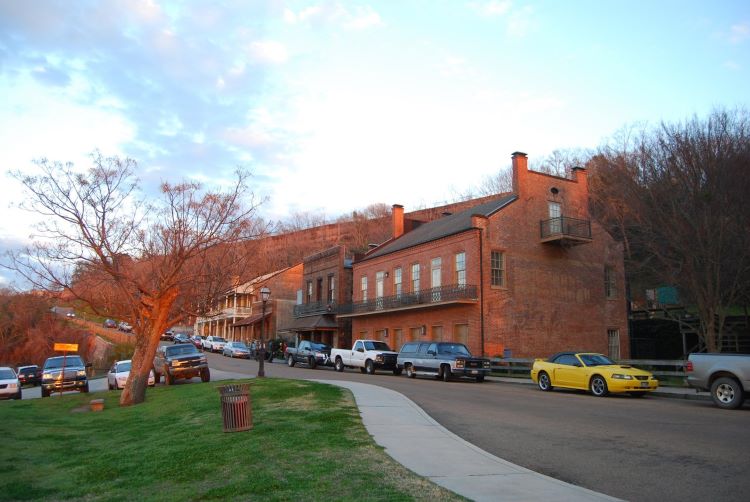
30,374
75,378
441,359
181,360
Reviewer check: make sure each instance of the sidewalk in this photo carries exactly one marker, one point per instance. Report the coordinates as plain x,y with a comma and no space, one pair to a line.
425,447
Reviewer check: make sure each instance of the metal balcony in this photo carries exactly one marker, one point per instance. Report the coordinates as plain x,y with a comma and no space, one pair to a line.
566,231
432,297
315,308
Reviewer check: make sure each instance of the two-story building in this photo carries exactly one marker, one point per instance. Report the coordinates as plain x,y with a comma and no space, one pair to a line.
523,274
326,285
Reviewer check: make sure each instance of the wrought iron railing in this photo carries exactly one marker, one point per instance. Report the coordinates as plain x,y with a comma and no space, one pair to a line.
565,226
315,308
425,297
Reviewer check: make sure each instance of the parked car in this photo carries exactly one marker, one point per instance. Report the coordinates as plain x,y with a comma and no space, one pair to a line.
441,359
109,323
725,376
31,374
593,372
181,338
214,343
180,361
167,335
119,372
123,326
73,378
197,340
368,356
10,386
313,354
236,349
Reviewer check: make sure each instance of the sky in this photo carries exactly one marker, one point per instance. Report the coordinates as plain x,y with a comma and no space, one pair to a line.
336,105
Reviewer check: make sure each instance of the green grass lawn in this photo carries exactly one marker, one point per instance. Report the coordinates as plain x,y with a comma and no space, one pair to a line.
308,443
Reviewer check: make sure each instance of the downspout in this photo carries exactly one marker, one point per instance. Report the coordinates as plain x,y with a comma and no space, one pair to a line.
481,290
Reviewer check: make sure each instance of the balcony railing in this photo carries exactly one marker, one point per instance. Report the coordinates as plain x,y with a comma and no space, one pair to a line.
455,293
315,308
565,230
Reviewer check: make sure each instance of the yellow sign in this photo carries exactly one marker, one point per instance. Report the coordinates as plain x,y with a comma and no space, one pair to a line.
68,347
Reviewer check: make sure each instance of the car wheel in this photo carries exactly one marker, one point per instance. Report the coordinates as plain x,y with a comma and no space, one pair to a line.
410,371
397,371
18,394
205,375
598,386
311,362
544,382
339,365
290,361
369,367
45,393
85,389
480,379
445,372
726,393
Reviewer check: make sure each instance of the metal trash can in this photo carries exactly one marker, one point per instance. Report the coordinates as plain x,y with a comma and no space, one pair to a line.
235,407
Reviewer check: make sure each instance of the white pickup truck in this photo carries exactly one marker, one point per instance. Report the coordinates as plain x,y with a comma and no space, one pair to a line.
367,355
725,376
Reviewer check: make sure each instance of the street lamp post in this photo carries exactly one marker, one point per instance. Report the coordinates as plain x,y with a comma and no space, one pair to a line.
265,294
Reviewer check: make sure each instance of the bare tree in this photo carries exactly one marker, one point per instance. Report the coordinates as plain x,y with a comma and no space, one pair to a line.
153,264
677,196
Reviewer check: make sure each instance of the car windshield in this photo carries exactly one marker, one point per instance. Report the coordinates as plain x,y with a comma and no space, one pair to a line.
219,339
377,346
458,349
596,360
180,350
7,374
123,367
57,362
239,345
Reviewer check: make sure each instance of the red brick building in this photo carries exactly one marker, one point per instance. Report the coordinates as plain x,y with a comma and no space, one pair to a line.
523,274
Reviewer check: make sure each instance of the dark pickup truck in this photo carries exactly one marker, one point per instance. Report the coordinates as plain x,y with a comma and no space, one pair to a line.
441,359
63,373
182,360
313,354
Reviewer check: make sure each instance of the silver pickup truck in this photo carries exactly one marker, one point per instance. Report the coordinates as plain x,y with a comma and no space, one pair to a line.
725,376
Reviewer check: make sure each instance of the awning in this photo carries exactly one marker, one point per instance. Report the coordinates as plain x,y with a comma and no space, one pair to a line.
322,322
249,321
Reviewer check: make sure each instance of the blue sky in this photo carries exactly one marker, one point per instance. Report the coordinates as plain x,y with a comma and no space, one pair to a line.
336,105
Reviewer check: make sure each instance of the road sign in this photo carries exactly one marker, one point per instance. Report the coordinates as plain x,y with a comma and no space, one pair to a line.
67,347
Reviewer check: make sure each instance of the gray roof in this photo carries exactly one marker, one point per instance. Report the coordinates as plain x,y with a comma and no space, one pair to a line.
442,227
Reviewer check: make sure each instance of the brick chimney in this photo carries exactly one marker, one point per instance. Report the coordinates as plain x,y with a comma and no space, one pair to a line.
398,220
520,170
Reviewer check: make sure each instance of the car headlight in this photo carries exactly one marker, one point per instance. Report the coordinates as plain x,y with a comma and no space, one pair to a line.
12,385
47,376
486,364
203,359
620,376
379,358
460,363
81,373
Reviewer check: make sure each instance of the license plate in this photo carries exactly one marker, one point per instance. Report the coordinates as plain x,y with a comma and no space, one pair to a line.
474,372
644,384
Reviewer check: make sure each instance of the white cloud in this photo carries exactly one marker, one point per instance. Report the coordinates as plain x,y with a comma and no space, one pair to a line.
269,52
362,19
492,8
336,13
731,65
738,33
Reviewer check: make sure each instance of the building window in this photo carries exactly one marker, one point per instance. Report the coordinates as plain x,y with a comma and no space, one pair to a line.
436,274
309,292
415,333
555,217
363,288
381,334
497,268
436,333
461,333
461,269
415,278
397,282
379,281
319,290
613,343
610,285
331,288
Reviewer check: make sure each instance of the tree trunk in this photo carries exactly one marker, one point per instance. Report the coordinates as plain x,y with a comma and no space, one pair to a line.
147,340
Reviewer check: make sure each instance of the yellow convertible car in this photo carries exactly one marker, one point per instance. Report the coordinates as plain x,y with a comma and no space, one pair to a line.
593,372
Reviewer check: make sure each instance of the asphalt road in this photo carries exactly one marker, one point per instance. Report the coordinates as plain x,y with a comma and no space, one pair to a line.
646,449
